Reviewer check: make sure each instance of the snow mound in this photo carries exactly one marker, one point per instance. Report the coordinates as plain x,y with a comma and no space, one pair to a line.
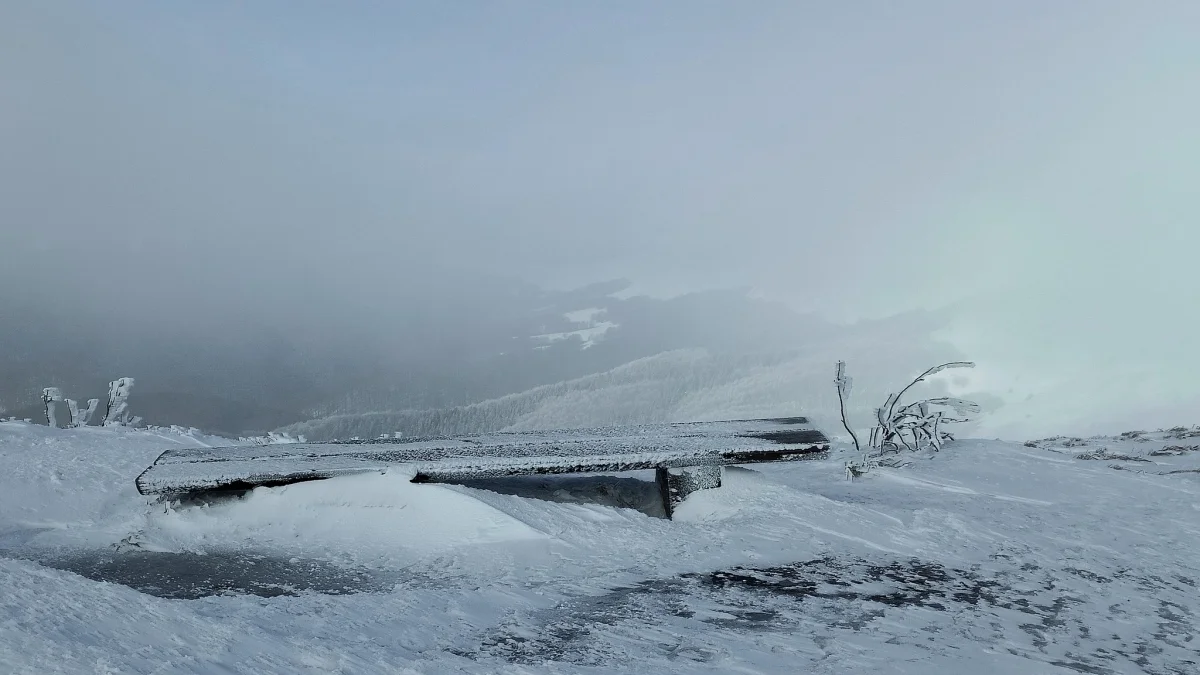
67,486
382,518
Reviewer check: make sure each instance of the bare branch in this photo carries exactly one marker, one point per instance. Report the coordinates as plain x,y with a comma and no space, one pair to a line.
844,384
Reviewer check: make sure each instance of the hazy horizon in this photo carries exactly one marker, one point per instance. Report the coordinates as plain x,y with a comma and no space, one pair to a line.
364,169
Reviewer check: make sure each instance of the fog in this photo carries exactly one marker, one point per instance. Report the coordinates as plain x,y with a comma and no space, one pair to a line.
386,173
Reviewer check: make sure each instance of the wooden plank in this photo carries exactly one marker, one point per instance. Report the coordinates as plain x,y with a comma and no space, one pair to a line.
610,449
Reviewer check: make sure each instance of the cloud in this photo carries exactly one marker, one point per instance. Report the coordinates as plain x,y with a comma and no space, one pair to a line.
281,162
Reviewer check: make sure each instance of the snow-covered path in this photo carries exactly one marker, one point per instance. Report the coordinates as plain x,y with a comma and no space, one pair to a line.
989,557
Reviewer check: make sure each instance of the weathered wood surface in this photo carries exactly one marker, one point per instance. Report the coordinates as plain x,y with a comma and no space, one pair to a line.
191,470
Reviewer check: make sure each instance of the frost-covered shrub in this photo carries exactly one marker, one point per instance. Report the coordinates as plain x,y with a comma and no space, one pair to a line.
915,426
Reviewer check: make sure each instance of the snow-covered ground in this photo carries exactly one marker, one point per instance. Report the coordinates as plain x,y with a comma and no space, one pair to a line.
591,331
1058,556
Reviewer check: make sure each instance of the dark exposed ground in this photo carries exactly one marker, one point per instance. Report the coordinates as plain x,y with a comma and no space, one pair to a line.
1047,616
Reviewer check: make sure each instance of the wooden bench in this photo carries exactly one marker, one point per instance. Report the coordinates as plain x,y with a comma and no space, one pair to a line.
687,457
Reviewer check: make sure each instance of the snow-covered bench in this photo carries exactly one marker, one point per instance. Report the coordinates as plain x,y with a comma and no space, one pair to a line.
687,457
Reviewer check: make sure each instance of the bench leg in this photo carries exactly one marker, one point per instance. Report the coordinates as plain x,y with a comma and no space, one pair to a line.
676,484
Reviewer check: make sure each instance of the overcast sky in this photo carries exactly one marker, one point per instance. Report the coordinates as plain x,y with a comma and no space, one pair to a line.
858,158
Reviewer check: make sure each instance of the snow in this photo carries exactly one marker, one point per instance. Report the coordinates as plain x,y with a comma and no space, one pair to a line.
590,334
1058,556
381,517
1066,358
179,471
584,315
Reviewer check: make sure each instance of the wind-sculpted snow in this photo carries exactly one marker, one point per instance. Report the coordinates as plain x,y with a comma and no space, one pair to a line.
1063,556
1058,617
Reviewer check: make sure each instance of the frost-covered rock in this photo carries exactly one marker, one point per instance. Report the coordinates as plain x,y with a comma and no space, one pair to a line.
51,396
118,402
82,417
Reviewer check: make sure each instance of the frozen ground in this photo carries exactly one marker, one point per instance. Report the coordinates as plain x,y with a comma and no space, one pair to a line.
1058,556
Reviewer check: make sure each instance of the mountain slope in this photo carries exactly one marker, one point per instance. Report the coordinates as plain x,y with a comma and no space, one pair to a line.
677,386
453,343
